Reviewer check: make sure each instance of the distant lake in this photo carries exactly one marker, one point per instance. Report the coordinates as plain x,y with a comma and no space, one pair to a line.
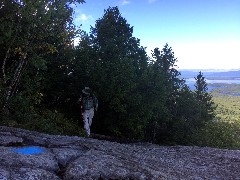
191,81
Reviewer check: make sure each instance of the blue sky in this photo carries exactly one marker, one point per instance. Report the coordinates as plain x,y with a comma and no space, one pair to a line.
204,34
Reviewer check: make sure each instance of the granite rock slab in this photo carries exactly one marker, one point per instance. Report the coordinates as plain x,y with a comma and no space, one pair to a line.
75,158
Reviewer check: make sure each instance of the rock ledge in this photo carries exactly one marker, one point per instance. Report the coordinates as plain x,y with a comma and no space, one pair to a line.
71,157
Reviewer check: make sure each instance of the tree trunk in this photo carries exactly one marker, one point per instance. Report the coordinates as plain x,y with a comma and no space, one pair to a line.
8,53
4,64
154,132
12,88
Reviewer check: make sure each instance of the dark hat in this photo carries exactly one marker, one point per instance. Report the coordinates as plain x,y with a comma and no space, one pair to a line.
86,90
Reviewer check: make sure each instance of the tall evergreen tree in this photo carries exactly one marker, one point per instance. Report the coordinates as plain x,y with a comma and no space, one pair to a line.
113,63
168,84
187,120
206,104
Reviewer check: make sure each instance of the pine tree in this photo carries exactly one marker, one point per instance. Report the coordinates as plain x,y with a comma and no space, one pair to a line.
205,102
114,64
166,87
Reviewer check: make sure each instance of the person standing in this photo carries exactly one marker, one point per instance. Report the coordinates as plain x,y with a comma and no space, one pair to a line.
88,103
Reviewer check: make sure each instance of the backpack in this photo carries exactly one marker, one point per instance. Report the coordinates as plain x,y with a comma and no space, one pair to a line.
89,102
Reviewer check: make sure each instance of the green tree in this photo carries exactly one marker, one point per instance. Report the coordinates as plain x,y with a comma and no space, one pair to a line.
187,120
112,62
34,34
205,102
167,83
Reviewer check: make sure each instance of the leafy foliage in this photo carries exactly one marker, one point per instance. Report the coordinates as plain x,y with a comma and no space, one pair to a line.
32,35
113,62
140,97
223,132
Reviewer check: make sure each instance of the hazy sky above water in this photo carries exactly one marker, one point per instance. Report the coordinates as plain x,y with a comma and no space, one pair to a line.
204,34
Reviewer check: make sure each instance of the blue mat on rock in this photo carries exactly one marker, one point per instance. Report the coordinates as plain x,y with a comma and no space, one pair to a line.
29,150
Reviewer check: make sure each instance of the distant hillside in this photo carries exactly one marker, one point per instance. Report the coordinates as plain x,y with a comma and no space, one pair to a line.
211,74
186,74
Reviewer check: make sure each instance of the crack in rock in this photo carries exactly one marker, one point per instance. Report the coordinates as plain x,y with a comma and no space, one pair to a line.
72,157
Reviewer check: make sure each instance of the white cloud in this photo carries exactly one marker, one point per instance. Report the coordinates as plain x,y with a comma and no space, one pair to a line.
125,2
76,41
203,55
209,55
83,18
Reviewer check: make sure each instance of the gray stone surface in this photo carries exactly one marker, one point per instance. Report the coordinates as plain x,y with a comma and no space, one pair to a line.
46,160
6,139
26,173
72,157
